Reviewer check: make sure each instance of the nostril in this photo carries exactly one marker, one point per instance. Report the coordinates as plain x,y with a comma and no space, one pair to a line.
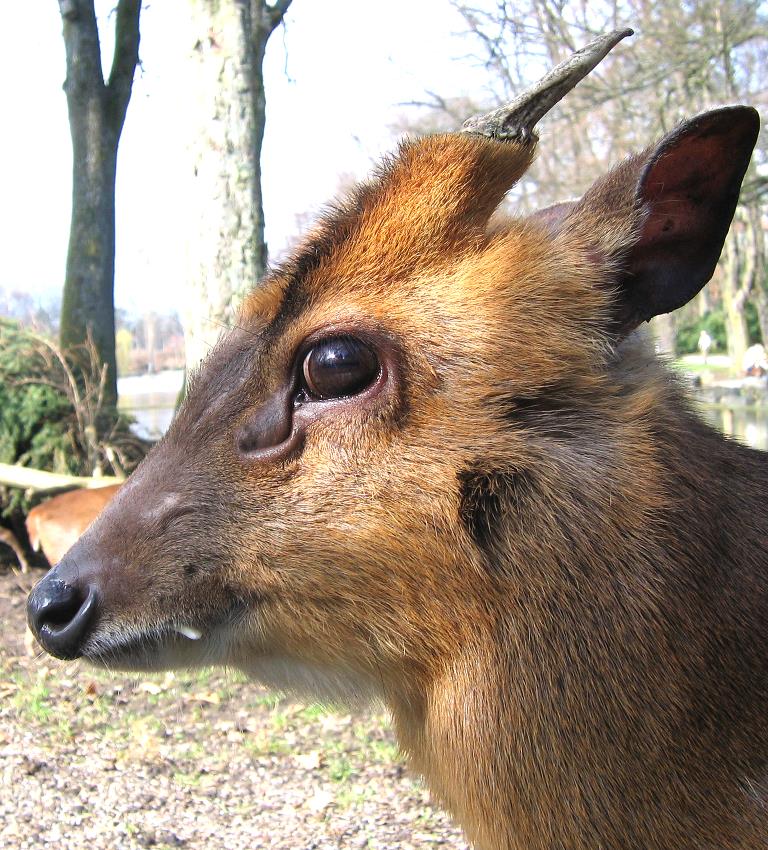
62,608
60,615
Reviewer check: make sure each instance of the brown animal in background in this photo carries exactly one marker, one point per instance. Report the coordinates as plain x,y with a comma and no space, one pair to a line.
9,539
56,524
436,464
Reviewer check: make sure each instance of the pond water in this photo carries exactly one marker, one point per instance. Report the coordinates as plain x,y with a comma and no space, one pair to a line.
150,399
749,425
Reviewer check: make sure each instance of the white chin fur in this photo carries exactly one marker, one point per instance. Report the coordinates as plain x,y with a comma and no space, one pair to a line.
327,684
188,632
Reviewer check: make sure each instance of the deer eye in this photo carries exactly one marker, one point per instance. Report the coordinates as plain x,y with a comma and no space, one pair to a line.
339,367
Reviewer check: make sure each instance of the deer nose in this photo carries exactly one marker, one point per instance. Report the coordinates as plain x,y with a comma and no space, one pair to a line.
60,614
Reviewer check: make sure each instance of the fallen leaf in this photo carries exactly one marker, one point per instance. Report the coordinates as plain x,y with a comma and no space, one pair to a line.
207,696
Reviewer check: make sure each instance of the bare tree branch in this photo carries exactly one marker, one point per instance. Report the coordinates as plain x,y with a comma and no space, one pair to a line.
277,12
124,60
83,51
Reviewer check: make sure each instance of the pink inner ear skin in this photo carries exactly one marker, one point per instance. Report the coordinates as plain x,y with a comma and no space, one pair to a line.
659,219
682,184
689,190
697,167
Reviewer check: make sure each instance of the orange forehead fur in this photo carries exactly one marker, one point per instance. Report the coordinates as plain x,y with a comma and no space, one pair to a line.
433,200
263,302
419,260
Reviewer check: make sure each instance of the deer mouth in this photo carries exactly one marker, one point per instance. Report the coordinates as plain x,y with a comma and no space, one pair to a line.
147,648
162,646
77,613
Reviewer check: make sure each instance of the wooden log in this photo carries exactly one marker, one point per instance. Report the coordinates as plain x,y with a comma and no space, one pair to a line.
39,481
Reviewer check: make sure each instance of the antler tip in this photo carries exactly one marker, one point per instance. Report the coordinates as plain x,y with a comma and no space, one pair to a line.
516,120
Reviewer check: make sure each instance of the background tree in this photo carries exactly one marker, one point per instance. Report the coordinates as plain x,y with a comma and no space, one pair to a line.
97,110
685,58
226,253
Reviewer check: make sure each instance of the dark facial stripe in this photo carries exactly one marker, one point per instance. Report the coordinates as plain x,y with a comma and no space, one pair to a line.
555,412
337,224
491,503
486,497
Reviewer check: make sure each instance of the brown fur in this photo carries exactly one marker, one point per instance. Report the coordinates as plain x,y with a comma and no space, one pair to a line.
524,541
9,539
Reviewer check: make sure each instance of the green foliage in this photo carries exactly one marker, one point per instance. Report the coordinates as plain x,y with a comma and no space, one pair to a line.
35,420
713,322
53,413
753,323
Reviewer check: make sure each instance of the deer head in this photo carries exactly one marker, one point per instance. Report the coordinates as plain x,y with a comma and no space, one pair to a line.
383,479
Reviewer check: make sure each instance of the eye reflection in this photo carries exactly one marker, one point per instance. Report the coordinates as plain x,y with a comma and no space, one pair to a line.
338,368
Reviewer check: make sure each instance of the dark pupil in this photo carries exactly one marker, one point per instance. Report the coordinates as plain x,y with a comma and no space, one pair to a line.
339,367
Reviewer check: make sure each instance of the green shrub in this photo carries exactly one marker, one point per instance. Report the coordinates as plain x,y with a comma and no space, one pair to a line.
52,416
35,420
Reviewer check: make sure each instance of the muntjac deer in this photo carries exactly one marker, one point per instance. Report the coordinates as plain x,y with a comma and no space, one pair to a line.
56,524
9,539
434,463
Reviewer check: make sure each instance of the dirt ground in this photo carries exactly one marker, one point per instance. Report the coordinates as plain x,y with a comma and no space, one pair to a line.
199,761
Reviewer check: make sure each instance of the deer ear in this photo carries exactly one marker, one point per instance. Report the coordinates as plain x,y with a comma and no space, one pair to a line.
686,193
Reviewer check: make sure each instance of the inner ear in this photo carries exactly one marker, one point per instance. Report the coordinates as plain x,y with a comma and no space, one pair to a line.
687,194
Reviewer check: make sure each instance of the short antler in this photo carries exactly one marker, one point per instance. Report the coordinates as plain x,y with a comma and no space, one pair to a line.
516,120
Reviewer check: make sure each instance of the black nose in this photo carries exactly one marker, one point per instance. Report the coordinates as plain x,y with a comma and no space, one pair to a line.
60,615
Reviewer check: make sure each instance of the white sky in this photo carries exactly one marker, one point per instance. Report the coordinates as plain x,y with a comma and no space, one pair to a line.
350,63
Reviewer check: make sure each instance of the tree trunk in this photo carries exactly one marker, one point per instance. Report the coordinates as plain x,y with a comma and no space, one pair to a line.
734,298
757,279
226,252
664,332
261,29
88,301
736,327
760,299
96,117
744,259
